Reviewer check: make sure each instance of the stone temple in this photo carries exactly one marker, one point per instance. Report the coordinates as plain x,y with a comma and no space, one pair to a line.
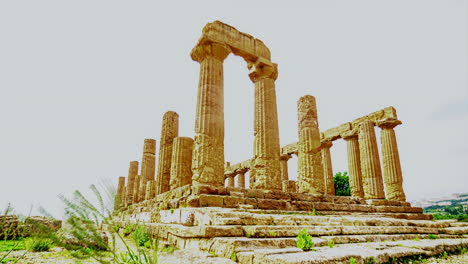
195,199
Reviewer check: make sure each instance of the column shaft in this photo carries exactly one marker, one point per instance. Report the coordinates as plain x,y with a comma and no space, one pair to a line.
137,189
310,177
119,202
265,171
370,162
181,165
148,162
132,181
393,177
169,131
327,168
284,167
230,181
241,180
354,164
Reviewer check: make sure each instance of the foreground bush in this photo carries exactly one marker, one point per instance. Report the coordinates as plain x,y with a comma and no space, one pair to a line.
39,244
304,240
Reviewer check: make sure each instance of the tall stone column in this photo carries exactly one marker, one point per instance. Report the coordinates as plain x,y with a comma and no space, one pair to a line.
132,181
327,168
118,201
137,189
370,162
265,172
241,180
124,196
284,167
393,177
208,152
148,161
354,163
310,177
230,181
181,165
169,131
148,190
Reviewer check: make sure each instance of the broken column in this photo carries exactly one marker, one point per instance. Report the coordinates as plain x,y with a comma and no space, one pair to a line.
327,168
119,202
148,162
265,168
393,177
310,169
208,153
181,165
370,162
169,130
354,163
131,181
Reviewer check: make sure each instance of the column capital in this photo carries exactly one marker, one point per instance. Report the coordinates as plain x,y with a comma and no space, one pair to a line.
388,123
210,49
326,144
350,134
261,69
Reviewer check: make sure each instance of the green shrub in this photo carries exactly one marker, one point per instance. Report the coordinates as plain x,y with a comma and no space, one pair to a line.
330,243
39,244
352,260
128,230
431,236
304,240
141,235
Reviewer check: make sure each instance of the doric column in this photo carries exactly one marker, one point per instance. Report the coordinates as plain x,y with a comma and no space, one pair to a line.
230,181
370,162
327,168
393,177
284,167
149,186
265,169
148,162
208,152
131,181
354,163
137,189
118,201
310,169
241,180
181,165
124,196
169,131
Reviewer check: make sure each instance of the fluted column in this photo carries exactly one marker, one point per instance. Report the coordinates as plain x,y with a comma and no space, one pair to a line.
310,177
208,152
393,177
230,181
118,201
169,131
265,172
137,189
284,167
241,180
327,168
181,165
370,162
124,196
131,181
354,163
149,186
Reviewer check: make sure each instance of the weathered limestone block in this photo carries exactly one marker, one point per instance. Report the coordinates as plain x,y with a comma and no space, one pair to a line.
181,165
391,161
327,168
265,168
354,163
147,164
310,177
284,166
118,201
132,181
169,131
289,186
370,162
208,153
241,180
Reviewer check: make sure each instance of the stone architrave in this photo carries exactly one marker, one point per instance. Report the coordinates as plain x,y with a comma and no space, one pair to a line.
181,165
169,131
327,168
284,167
148,163
310,169
354,163
132,181
208,152
241,180
118,201
370,162
393,177
265,172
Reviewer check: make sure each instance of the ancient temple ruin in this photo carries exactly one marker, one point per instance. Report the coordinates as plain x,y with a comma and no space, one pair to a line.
195,196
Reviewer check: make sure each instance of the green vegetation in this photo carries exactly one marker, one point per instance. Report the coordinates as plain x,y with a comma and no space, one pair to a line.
234,256
352,261
37,244
7,245
341,180
330,243
141,236
304,240
450,209
432,236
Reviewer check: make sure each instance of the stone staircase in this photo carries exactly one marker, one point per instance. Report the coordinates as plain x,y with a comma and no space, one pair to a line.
269,236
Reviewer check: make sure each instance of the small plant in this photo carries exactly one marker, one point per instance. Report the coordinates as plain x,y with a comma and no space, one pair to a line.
234,256
352,260
213,254
330,243
169,249
141,236
304,240
444,255
128,230
417,238
272,233
39,244
431,236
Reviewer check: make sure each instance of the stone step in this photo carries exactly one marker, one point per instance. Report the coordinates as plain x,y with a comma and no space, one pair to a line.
378,252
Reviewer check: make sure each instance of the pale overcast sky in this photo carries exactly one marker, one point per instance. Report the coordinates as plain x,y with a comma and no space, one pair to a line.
84,82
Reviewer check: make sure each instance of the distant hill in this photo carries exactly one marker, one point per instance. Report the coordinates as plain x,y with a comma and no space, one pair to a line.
455,204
